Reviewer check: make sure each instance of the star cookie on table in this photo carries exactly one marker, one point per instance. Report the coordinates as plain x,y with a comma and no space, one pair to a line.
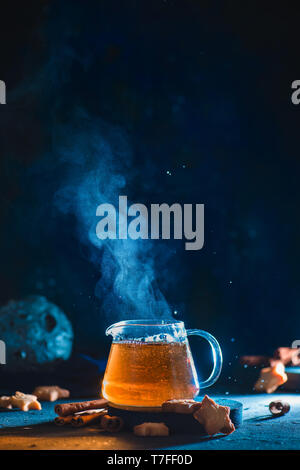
214,418
5,402
270,378
25,402
50,392
151,429
288,356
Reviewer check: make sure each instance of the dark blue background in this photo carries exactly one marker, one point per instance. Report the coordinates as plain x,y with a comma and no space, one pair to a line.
200,89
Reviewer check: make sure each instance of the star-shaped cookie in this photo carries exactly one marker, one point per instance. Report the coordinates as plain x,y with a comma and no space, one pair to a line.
25,402
270,378
215,418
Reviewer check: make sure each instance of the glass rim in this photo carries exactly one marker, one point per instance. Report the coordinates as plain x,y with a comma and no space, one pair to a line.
147,322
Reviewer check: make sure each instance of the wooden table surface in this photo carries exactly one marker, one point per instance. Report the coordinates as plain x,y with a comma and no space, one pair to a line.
35,430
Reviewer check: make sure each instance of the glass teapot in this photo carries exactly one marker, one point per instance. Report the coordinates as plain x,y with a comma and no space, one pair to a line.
150,362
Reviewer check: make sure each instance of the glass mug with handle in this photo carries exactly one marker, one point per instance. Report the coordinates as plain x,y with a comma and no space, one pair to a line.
151,362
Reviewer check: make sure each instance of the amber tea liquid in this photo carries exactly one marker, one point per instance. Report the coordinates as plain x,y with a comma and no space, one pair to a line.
147,374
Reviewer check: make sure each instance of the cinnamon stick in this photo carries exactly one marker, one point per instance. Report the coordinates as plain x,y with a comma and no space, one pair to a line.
66,409
61,421
85,419
111,423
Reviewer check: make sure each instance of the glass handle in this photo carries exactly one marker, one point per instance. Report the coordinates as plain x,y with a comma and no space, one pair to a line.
217,356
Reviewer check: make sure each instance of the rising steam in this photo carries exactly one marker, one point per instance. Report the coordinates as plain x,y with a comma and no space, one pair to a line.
97,163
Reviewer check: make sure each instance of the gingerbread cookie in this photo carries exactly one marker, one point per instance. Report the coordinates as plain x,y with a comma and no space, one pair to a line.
214,418
50,393
25,402
187,406
271,378
5,402
151,429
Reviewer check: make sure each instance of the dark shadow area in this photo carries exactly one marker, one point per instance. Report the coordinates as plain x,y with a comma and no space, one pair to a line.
50,430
